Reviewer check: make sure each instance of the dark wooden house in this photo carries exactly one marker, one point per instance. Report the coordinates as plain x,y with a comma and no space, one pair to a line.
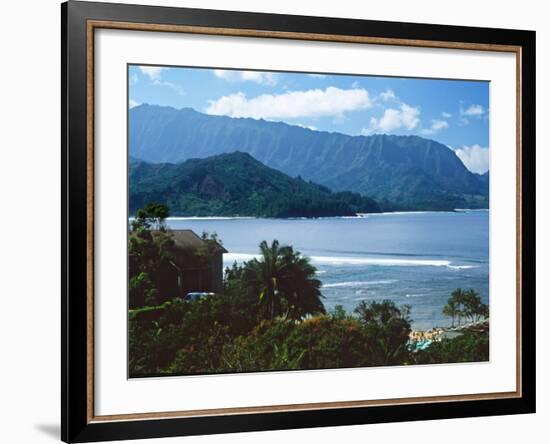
196,272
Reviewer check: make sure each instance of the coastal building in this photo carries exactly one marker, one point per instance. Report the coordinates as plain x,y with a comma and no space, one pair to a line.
197,263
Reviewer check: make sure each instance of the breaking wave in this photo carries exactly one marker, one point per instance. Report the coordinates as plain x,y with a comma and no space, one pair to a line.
343,260
358,283
229,258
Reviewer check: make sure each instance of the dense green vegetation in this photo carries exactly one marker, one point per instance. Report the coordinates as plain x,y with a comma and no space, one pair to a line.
468,347
270,316
236,185
228,333
148,253
399,172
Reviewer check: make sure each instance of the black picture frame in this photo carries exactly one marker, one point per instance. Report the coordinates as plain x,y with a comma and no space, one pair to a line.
76,423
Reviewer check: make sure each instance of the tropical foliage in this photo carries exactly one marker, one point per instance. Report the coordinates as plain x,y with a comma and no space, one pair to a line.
468,347
284,281
148,251
465,304
387,327
222,334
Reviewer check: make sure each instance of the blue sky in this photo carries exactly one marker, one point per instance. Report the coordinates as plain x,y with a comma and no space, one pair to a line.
455,113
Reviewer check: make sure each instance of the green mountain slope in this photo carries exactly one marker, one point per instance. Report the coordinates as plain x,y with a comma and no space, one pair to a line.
236,184
401,172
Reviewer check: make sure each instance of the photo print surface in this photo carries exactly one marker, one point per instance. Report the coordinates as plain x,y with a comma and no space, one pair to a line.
296,221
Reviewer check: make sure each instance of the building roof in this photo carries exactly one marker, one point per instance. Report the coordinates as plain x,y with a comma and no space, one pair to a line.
189,240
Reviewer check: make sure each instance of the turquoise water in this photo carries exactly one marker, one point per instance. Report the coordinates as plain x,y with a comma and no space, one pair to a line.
411,258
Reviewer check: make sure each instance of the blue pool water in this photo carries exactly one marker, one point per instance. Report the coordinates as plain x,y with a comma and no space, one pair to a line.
411,258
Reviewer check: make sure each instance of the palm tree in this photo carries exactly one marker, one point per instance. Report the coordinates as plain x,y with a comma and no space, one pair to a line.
458,298
451,310
284,281
474,308
261,276
466,304
298,285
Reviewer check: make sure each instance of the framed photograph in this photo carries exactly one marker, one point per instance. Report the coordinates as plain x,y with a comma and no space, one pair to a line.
275,221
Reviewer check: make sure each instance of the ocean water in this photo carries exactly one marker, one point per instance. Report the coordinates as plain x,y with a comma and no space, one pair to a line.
411,258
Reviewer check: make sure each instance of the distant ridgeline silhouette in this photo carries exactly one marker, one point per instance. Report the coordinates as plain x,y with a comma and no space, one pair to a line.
399,172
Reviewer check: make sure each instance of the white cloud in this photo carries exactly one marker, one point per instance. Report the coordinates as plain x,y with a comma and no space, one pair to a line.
293,104
475,158
436,125
153,72
318,76
473,111
132,103
393,119
355,84
264,78
388,95
134,79
446,115
177,88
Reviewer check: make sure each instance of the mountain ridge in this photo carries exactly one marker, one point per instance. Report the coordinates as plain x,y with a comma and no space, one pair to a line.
402,172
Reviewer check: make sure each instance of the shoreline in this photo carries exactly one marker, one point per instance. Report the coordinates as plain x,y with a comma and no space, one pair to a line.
357,216
436,334
456,210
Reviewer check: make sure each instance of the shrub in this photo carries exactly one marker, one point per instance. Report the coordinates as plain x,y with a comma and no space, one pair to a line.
468,347
319,342
387,328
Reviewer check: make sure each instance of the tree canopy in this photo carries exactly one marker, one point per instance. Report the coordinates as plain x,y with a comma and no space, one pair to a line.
284,282
148,252
465,304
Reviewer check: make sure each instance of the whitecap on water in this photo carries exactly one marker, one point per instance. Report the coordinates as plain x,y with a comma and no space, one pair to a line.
229,258
348,260
358,283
